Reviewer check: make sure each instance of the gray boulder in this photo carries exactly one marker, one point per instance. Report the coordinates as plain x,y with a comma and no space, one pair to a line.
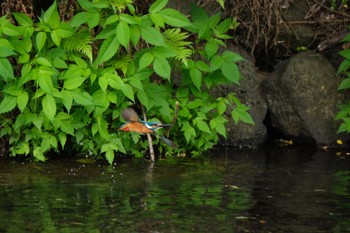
302,98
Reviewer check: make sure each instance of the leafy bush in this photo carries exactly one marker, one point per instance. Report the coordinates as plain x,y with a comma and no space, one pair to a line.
64,84
343,69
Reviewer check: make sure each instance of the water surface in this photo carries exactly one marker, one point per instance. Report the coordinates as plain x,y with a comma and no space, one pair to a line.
276,190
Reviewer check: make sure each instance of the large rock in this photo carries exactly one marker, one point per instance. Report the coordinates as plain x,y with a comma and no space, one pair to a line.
302,98
249,93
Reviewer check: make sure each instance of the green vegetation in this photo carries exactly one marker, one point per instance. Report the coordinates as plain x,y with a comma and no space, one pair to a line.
344,70
64,84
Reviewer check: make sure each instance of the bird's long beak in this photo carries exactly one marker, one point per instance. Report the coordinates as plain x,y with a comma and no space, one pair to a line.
165,125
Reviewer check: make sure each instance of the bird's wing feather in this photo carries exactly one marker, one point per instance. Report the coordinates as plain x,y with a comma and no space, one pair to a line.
130,115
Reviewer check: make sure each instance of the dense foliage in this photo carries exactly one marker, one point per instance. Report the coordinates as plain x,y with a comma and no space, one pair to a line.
64,84
344,70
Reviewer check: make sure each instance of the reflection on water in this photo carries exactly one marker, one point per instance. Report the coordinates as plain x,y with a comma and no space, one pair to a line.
279,190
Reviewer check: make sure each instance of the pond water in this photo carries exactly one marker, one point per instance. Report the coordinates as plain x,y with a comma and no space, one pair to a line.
274,190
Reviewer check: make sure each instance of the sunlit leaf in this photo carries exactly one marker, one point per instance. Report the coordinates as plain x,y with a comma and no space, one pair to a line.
196,77
6,69
8,104
128,92
345,84
73,83
22,100
108,49
157,6
202,125
49,106
152,36
51,16
82,98
145,60
174,18
123,34
38,154
162,67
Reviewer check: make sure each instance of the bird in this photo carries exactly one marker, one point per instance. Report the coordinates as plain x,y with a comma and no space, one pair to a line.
135,124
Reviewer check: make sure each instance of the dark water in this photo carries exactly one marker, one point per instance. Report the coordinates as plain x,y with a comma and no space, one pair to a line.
280,190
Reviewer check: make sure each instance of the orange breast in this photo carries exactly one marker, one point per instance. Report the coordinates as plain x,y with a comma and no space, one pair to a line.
136,127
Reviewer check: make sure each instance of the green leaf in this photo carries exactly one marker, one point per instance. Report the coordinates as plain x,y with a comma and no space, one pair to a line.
86,5
79,19
211,48
59,63
45,83
123,34
345,84
345,53
202,125
23,19
157,6
67,127
73,83
110,156
103,83
63,139
143,98
157,19
8,103
240,113
55,37
49,106
215,63
11,30
135,34
189,132
128,92
199,15
93,20
40,40
22,100
221,107
82,98
38,121
152,36
221,129
162,67
129,19
174,18
222,3
6,48
38,154
231,72
224,26
196,77
145,60
43,61
67,99
231,56
111,19
107,50
6,69
202,66
51,16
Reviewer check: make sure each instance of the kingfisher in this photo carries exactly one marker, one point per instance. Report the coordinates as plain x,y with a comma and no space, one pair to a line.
135,124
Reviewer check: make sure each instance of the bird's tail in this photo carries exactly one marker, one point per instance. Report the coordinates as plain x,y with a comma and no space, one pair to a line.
169,142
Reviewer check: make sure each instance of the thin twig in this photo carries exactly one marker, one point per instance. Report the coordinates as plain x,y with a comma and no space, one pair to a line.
149,138
174,118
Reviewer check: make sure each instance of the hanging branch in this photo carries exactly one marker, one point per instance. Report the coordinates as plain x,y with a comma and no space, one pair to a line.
149,138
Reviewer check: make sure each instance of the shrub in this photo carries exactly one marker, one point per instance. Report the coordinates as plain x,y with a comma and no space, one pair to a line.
67,82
